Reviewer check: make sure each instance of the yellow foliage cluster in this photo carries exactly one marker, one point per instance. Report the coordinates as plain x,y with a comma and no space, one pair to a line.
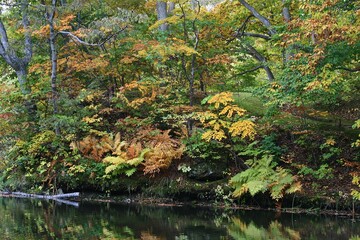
231,109
62,25
243,128
222,121
65,22
223,98
172,47
148,94
213,134
92,119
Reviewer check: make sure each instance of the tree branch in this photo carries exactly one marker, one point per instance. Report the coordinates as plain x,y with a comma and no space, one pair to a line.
255,54
261,18
3,37
356,69
240,30
258,35
101,44
286,11
250,70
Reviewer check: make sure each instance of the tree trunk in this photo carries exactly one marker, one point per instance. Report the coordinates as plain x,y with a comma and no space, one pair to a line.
286,14
261,18
29,104
161,9
288,52
255,54
52,38
22,75
170,8
19,64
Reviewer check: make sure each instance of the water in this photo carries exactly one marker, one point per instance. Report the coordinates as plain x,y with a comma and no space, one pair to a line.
37,219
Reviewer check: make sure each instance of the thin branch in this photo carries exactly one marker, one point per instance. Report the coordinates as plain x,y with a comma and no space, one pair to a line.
101,44
183,63
250,70
186,37
53,11
357,69
258,35
241,29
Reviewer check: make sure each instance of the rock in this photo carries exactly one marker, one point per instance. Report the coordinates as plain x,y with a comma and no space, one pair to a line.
205,171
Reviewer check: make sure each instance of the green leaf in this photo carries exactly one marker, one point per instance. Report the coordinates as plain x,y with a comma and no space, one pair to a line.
206,99
130,172
256,186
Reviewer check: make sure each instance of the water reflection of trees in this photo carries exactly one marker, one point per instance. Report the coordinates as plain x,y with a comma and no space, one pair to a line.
34,219
275,230
265,225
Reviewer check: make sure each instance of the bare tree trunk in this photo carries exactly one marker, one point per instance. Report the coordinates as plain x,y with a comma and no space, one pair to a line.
17,63
21,74
286,12
170,8
255,54
52,38
261,18
288,52
161,9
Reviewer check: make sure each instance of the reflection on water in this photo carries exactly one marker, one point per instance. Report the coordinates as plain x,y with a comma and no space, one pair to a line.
36,219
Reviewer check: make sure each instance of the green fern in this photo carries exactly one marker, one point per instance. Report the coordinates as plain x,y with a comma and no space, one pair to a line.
120,165
263,175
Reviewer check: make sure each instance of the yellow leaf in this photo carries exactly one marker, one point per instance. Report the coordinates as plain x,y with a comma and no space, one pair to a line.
216,135
243,128
221,98
114,160
110,168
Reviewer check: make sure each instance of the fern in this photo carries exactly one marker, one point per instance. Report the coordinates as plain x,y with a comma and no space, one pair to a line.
122,165
163,150
262,176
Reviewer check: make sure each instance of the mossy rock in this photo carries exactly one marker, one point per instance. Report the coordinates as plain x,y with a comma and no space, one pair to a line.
205,171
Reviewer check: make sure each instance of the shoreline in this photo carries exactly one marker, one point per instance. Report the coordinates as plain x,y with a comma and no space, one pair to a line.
170,202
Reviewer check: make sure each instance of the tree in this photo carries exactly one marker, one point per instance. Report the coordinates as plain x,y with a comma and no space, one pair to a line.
162,12
19,61
50,15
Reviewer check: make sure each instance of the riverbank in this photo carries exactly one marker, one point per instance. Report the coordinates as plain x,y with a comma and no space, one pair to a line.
314,206
174,203
178,189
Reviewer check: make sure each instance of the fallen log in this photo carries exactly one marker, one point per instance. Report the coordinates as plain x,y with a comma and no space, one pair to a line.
57,197
74,204
29,195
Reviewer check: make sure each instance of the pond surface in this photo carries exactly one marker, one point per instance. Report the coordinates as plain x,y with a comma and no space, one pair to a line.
38,219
